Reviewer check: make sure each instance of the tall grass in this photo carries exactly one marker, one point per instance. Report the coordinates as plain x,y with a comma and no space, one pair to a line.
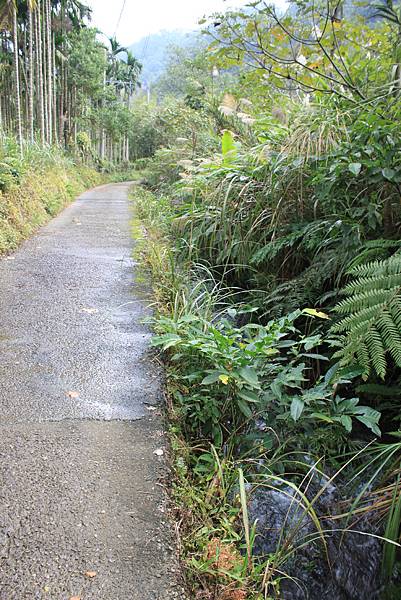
34,187
288,215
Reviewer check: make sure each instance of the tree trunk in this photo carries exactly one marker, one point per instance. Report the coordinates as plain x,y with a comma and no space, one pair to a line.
74,114
44,70
127,156
1,118
62,93
16,76
40,89
54,90
49,69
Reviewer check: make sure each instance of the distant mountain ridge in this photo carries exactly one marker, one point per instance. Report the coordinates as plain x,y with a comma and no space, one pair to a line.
152,51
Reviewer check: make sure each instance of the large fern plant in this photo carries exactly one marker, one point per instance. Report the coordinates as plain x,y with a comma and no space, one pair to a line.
370,326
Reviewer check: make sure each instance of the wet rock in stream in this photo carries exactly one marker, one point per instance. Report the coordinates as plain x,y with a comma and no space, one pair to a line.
355,558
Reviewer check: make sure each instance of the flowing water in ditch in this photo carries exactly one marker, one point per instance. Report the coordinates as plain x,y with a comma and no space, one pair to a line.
343,567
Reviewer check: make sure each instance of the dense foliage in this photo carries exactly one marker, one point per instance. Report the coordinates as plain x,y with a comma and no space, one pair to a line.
275,217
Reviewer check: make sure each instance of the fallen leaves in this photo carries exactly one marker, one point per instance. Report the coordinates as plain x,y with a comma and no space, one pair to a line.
233,595
90,574
72,394
315,313
75,598
224,557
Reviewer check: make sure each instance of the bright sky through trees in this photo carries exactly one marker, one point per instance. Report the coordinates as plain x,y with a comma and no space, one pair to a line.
142,18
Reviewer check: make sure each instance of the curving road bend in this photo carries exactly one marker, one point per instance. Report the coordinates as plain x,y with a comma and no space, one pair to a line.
82,513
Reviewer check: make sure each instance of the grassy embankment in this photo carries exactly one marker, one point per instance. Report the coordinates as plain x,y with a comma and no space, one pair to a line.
35,187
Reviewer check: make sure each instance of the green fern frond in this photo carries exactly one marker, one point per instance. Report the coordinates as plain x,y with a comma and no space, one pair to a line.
383,282
395,309
362,354
360,300
377,389
382,243
359,319
374,250
376,350
371,316
377,268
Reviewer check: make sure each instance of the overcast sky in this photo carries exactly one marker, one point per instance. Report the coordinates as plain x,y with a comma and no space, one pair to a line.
142,17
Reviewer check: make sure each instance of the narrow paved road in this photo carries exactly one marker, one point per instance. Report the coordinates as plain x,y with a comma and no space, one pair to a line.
81,510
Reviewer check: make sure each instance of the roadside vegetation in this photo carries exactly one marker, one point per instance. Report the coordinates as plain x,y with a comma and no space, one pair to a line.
271,204
35,187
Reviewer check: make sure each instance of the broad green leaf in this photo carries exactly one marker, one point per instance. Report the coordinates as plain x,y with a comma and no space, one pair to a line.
350,405
212,377
322,417
297,407
228,147
270,351
346,421
355,168
277,390
244,408
370,418
248,395
370,424
249,375
166,341
388,173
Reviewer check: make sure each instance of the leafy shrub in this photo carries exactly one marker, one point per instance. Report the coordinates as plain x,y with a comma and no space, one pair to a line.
227,376
290,224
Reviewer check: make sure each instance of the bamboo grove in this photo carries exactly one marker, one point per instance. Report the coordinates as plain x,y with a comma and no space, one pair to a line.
59,84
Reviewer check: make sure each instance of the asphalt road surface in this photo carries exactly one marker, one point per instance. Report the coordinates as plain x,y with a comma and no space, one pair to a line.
82,511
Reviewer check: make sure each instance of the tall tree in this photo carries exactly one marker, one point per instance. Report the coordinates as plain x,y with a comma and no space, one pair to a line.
17,75
31,7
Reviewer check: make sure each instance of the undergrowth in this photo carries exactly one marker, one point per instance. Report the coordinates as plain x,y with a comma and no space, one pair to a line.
244,414
273,236
208,540
35,187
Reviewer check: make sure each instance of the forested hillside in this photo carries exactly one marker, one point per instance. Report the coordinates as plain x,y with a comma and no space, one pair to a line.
271,169
60,84
153,51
